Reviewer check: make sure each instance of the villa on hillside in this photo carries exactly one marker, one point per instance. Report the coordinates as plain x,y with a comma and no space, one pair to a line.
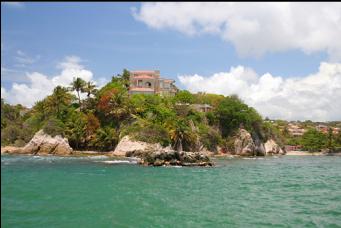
196,107
150,82
325,129
295,130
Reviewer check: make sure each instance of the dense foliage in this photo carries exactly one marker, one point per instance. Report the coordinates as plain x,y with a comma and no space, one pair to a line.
106,114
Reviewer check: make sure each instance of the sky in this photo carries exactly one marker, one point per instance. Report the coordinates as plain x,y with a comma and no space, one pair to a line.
284,59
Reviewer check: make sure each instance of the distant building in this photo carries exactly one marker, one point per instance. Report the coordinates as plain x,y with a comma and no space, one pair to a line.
150,82
325,129
202,107
295,130
336,130
292,148
197,107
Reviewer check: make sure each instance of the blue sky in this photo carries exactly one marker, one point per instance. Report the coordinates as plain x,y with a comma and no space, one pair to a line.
107,37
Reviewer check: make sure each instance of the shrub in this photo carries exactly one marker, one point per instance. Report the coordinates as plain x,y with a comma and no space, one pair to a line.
54,127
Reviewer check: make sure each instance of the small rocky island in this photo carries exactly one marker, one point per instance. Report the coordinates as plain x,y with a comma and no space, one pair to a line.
153,154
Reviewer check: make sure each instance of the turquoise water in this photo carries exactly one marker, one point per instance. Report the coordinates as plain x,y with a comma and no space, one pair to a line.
289,191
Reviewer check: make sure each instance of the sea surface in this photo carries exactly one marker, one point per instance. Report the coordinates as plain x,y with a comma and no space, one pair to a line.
288,191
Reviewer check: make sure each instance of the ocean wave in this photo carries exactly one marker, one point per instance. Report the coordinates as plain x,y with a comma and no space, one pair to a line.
252,158
119,162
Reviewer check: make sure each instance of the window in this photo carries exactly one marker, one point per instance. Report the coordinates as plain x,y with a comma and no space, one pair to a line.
148,84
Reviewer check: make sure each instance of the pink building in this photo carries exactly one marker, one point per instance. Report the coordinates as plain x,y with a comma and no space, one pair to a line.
150,82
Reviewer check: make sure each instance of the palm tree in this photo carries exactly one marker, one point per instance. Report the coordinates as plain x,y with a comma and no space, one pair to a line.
181,135
59,97
78,85
89,88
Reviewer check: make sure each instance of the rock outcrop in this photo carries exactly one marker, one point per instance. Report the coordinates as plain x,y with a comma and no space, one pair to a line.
10,150
172,157
127,146
44,144
244,145
272,148
156,155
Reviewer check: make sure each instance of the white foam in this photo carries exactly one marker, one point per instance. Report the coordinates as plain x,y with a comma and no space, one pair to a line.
252,158
119,162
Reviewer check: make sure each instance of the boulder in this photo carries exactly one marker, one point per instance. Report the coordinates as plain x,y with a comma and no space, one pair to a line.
128,147
244,145
44,144
159,158
272,148
10,150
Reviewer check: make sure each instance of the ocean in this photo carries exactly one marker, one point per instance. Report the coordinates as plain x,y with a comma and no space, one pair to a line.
287,191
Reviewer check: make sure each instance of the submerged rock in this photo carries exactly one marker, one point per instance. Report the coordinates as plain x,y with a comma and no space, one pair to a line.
44,144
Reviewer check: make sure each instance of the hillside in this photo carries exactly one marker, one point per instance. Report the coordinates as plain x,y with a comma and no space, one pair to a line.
109,113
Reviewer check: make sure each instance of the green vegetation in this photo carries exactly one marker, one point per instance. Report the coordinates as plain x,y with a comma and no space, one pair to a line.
106,114
313,140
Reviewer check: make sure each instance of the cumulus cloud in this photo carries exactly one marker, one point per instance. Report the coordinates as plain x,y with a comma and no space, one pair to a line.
40,85
315,97
253,28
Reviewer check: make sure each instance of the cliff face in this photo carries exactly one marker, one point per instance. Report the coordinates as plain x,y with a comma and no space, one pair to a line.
245,145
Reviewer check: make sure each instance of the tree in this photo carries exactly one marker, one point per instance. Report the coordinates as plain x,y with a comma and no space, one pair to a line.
330,144
125,75
89,88
75,129
59,98
182,137
106,139
92,124
54,127
184,96
232,113
78,85
114,103
313,140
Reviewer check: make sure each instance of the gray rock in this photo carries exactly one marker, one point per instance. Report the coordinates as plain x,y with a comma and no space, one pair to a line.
44,144
244,145
272,148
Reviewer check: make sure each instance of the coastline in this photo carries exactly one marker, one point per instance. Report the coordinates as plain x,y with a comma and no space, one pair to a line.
77,153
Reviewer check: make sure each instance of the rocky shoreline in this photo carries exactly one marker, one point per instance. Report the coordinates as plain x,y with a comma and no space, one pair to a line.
152,154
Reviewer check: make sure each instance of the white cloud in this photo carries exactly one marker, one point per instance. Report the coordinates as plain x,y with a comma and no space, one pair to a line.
3,93
13,4
41,85
253,28
315,97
